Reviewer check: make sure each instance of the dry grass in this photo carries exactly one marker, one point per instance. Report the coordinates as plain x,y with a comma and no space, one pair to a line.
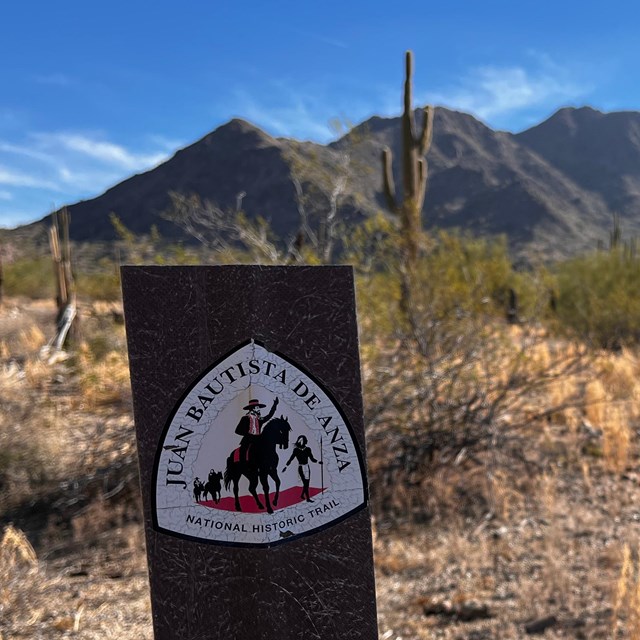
616,439
626,599
595,398
105,382
19,576
32,339
64,419
547,545
612,404
92,599
558,556
525,542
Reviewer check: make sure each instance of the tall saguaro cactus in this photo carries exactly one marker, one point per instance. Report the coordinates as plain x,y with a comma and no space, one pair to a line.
408,208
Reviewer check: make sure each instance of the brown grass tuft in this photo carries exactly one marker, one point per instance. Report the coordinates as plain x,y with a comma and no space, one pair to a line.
626,600
595,398
105,382
15,551
19,575
32,339
616,439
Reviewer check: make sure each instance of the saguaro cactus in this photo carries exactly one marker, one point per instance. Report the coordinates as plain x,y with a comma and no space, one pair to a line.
408,208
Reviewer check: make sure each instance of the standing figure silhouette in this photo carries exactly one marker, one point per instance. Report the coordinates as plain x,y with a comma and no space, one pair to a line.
302,453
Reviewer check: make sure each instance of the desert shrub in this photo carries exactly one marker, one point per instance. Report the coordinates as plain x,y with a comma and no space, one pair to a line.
599,298
101,285
30,443
99,346
463,275
101,281
451,380
458,276
32,277
230,236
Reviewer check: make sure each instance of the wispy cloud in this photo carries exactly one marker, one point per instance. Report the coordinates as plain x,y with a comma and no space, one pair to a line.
66,166
165,143
493,92
502,95
27,152
18,179
103,151
286,113
89,180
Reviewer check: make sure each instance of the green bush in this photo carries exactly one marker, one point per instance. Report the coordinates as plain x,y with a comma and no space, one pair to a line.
458,277
32,277
599,297
101,285
465,275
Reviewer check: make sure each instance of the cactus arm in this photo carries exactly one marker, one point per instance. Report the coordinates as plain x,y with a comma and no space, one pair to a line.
387,177
427,131
422,183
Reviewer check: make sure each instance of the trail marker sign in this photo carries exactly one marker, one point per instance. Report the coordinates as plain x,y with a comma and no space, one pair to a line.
248,411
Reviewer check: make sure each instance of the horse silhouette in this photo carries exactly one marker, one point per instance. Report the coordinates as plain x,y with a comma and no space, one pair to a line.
198,488
213,486
261,463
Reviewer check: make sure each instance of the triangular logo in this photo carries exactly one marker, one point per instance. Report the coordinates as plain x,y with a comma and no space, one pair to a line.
256,453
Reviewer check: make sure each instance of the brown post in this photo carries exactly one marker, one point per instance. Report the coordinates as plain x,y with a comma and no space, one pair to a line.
1,273
248,411
67,319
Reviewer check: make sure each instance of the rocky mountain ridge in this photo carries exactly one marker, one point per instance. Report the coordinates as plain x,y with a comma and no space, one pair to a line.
552,189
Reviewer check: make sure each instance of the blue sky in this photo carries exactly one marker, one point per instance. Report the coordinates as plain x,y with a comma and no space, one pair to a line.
91,93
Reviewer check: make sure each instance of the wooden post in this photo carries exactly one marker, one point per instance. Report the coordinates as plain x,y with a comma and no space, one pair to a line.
66,319
240,374
1,273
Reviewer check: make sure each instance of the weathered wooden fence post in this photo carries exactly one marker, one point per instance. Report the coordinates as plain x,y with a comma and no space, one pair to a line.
66,319
248,410
1,273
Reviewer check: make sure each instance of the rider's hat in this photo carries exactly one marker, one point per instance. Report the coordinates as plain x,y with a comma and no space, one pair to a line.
254,403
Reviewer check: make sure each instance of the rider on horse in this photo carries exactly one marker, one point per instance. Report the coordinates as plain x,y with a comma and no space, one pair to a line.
251,424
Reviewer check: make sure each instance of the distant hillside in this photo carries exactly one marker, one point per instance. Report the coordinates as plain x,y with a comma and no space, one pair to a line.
552,189
599,152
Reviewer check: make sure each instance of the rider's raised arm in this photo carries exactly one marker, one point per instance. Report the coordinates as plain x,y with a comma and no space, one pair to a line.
271,412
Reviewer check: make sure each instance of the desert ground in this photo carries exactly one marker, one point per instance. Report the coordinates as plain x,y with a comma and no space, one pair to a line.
501,551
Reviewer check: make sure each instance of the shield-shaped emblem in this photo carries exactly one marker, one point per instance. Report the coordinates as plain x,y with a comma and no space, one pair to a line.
256,453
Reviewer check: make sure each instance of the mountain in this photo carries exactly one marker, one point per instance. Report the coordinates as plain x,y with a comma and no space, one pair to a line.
598,152
234,158
487,182
552,189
